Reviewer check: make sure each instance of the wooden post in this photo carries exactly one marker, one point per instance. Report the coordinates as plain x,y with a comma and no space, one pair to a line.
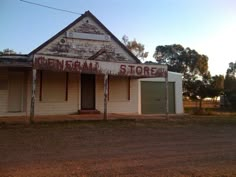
105,96
34,72
167,96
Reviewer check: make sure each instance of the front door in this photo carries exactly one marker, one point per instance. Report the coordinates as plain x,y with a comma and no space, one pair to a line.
87,91
15,94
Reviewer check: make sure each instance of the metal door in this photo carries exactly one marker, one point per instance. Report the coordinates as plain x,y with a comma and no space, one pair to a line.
153,97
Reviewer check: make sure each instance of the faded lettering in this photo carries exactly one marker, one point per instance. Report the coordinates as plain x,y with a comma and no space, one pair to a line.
99,67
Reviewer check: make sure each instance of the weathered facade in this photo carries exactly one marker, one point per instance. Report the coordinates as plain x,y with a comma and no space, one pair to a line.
82,68
152,94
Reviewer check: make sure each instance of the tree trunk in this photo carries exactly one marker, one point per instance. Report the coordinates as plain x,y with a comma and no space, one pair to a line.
200,104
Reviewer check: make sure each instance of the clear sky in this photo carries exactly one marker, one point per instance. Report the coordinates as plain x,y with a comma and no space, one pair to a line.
208,26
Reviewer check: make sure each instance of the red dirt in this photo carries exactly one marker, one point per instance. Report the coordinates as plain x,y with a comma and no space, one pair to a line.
117,148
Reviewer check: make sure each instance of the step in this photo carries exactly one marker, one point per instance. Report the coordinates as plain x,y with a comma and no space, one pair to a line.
89,112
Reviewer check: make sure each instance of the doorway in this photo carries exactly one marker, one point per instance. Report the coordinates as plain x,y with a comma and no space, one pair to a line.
153,97
16,91
87,91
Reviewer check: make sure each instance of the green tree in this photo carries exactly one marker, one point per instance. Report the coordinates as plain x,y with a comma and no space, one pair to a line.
136,48
7,51
182,60
230,83
230,78
216,86
198,89
217,82
231,71
189,62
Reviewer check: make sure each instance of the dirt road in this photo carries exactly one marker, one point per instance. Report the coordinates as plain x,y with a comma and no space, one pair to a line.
118,148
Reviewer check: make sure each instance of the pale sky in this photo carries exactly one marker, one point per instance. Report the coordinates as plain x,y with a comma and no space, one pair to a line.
208,26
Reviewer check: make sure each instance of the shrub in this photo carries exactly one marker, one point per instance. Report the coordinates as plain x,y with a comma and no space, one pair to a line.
231,95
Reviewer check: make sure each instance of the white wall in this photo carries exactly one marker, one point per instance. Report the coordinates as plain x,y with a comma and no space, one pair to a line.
55,108
4,91
129,106
73,104
172,77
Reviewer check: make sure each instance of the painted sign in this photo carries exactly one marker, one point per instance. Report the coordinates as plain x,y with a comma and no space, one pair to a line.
88,36
98,67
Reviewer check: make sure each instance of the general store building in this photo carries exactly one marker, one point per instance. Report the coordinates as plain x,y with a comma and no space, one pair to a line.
82,68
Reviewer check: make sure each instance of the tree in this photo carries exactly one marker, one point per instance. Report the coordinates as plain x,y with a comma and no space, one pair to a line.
217,82
136,48
230,78
216,86
231,71
168,54
230,83
7,51
183,60
199,88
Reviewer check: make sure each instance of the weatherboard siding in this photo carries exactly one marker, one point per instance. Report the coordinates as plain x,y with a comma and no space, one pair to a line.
125,106
66,46
128,106
73,103
4,91
59,107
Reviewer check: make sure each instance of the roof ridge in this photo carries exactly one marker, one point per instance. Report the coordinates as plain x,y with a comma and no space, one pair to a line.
87,13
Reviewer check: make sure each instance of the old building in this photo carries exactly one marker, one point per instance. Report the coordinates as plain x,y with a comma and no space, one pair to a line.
83,68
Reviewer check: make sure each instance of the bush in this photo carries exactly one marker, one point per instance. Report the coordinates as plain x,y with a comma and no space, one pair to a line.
231,95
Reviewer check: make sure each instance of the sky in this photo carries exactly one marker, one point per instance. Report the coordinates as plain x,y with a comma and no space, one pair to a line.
208,26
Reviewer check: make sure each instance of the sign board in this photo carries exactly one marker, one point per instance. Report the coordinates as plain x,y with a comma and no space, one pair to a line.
88,36
98,67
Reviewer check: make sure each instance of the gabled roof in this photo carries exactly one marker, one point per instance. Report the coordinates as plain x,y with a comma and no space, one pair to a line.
86,14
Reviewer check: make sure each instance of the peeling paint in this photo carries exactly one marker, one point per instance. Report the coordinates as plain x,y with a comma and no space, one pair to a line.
98,67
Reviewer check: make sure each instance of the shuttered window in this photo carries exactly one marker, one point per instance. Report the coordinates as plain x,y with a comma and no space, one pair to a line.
119,88
53,86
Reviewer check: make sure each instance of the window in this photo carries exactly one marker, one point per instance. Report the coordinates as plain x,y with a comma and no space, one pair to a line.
53,86
119,88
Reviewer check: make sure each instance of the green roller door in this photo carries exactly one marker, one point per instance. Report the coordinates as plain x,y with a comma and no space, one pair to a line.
153,97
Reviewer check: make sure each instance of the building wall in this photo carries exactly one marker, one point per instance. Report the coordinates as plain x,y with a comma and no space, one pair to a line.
85,48
172,77
55,108
73,104
129,106
3,90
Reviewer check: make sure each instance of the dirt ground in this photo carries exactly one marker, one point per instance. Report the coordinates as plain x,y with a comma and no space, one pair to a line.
126,148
